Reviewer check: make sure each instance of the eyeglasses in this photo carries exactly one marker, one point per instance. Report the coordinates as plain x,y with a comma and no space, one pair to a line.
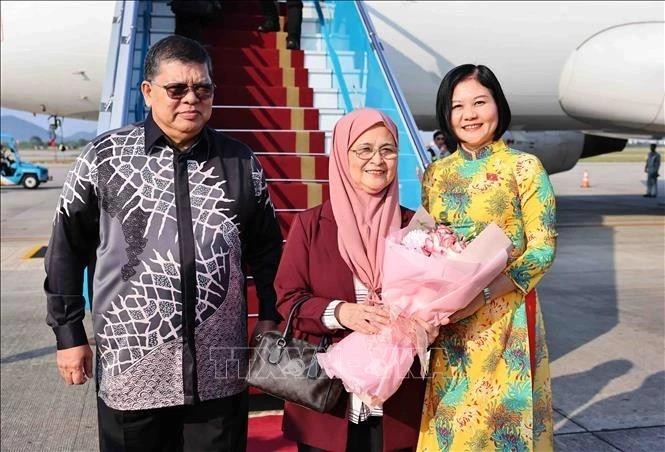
179,90
386,153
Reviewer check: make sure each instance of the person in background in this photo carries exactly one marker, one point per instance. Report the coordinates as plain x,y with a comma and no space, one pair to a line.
440,143
490,385
293,20
6,161
191,16
334,254
651,168
437,148
165,214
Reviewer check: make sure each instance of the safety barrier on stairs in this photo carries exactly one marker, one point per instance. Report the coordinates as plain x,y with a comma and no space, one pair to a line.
131,36
365,79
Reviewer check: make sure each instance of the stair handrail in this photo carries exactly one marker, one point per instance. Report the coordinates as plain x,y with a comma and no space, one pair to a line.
396,91
121,68
334,59
139,106
107,96
116,103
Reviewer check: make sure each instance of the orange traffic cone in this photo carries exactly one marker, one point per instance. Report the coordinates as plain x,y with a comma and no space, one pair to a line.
585,180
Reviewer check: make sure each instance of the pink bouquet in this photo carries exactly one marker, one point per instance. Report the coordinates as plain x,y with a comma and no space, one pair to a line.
428,272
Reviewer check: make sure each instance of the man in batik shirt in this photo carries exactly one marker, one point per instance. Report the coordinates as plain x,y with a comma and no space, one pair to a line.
165,214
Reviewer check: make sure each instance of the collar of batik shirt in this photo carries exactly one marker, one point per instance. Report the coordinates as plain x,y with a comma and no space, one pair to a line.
155,136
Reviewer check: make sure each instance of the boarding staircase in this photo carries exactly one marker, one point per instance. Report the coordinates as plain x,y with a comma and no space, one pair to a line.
280,102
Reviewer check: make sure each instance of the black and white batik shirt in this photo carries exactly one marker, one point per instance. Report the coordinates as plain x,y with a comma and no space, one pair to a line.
166,236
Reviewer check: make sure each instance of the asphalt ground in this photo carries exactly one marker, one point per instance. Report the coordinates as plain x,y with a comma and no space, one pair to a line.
602,303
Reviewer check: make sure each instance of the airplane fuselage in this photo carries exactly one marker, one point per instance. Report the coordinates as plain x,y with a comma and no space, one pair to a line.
54,58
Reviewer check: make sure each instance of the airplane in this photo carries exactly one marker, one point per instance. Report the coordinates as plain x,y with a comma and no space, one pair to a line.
54,56
581,77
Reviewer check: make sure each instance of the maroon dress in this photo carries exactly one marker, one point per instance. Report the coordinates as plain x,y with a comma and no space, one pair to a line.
311,265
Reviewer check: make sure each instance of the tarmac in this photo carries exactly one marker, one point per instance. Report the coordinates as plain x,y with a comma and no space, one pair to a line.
602,302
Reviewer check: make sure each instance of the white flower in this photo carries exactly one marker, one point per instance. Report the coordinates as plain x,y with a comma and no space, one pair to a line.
415,239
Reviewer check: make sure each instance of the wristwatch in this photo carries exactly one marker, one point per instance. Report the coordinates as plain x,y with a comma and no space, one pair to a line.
487,295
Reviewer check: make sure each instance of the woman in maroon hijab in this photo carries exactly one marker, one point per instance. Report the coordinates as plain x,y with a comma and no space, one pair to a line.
334,254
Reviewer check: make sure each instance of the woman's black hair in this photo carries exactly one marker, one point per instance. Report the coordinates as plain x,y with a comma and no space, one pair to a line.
444,102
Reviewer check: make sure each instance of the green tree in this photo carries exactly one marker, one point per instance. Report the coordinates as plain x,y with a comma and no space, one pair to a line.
35,141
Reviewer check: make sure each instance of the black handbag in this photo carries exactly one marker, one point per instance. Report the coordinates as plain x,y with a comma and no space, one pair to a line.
287,368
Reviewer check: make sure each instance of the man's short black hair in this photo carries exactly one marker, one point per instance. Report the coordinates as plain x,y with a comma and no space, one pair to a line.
174,48
436,134
653,146
444,102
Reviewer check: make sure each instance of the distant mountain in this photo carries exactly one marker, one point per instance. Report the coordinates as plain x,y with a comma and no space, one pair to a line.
78,135
20,129
23,130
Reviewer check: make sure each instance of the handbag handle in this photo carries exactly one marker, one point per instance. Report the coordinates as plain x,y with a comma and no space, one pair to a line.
292,313
325,340
275,354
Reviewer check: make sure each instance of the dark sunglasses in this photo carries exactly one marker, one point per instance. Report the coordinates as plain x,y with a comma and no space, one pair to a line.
179,90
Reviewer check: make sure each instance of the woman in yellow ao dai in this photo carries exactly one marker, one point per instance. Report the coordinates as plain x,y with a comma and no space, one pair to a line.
489,384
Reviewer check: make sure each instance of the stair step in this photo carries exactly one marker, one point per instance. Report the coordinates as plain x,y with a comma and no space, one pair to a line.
257,39
270,96
160,8
162,23
326,79
327,98
328,117
251,22
244,117
231,56
319,59
244,21
261,76
249,7
313,59
281,141
245,39
254,8
294,167
294,195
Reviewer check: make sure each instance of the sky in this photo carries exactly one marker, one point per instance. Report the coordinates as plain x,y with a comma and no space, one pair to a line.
69,126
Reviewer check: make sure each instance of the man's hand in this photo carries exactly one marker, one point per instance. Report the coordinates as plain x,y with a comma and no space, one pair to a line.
471,309
261,327
75,364
362,318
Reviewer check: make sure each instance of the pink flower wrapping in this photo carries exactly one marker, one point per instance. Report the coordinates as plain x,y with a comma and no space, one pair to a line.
430,281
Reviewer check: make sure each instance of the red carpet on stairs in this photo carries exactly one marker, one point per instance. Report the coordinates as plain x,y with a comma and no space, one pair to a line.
265,435
286,141
263,99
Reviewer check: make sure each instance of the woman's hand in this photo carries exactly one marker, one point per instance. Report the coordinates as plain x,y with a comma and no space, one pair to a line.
500,286
362,318
471,309
432,331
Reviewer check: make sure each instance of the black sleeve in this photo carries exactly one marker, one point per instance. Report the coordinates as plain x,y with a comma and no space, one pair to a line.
263,245
71,249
